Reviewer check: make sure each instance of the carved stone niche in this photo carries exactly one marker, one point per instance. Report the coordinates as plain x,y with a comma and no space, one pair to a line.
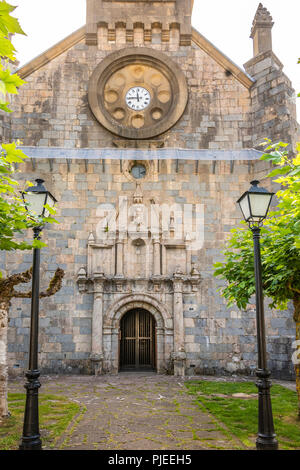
101,257
176,255
138,258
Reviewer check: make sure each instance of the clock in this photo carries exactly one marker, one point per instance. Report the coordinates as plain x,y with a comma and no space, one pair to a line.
137,93
138,98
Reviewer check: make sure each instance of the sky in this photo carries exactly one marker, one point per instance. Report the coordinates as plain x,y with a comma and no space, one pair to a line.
225,23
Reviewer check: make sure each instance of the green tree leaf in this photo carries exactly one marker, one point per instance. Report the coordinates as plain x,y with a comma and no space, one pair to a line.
14,218
280,247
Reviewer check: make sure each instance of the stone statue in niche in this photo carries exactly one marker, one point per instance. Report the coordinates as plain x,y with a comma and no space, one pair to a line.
138,218
138,215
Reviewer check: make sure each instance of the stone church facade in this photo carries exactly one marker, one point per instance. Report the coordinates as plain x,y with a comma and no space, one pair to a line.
147,135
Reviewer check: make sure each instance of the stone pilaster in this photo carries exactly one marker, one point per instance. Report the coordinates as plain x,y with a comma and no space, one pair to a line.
179,356
97,323
120,262
156,257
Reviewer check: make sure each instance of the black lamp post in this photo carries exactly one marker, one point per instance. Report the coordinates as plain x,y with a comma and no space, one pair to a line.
35,199
255,205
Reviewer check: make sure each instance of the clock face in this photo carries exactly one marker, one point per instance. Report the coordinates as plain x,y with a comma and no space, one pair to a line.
138,98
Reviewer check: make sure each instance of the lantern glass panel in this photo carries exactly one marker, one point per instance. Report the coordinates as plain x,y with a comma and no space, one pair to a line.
51,203
35,202
244,204
259,204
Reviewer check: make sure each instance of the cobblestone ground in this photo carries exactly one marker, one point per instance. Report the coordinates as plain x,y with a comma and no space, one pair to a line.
134,411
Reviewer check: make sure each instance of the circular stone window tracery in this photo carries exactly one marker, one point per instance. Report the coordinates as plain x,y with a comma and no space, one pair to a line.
138,171
145,170
137,93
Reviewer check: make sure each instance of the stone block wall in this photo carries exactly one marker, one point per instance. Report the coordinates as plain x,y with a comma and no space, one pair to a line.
217,339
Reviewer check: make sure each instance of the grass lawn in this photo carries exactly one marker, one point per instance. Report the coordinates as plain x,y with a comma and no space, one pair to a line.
55,413
240,415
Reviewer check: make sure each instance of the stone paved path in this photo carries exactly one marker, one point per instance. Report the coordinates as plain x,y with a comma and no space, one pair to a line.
135,412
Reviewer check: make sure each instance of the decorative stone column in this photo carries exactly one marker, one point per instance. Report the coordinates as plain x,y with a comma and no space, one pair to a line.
179,355
114,350
119,264
160,350
156,257
97,324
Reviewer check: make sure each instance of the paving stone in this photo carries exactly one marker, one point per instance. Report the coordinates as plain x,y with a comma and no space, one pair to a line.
134,411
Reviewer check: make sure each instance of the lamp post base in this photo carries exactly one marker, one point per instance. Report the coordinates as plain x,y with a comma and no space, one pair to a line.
266,443
266,437
31,435
31,443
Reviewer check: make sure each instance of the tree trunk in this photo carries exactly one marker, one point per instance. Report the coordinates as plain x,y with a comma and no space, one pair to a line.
7,293
297,363
3,359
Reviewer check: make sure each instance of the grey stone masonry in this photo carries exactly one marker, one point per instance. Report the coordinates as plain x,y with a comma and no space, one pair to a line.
273,99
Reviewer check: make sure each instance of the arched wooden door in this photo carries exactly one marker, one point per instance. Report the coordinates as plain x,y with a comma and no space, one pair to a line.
137,341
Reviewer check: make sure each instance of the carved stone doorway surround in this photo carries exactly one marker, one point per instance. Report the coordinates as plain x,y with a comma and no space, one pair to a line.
110,306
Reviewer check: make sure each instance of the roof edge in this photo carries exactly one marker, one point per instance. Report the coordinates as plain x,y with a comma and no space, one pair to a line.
222,59
51,53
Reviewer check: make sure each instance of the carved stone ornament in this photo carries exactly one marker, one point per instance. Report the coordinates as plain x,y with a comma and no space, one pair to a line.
262,19
262,15
179,356
82,280
137,93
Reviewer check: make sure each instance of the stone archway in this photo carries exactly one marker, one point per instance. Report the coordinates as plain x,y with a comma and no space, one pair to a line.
111,329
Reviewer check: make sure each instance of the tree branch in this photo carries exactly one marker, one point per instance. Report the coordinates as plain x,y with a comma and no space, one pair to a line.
7,284
54,286
293,288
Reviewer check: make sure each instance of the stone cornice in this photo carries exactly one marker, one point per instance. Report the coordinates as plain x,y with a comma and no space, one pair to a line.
79,35
93,284
113,153
263,56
